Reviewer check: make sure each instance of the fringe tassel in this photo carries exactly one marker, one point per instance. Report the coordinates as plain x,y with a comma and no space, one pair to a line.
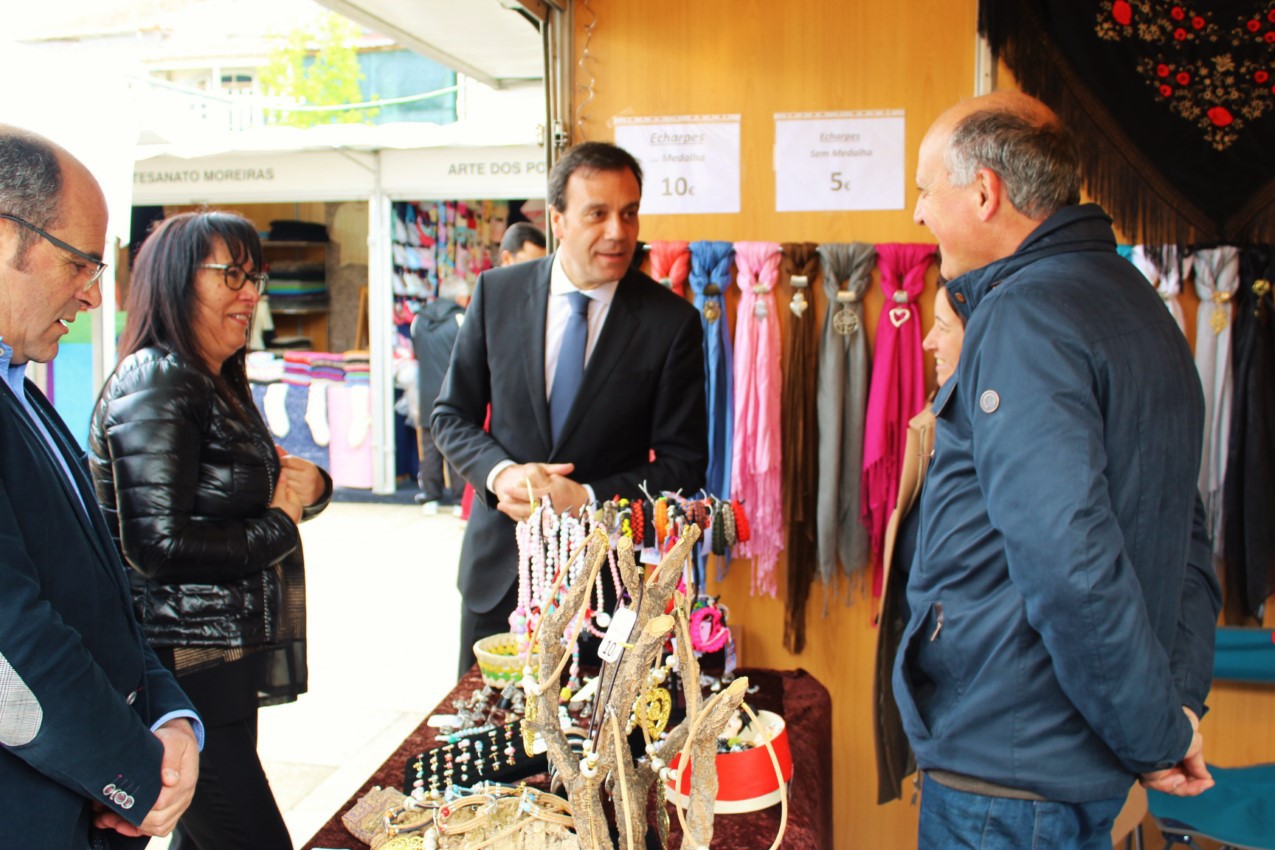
1144,204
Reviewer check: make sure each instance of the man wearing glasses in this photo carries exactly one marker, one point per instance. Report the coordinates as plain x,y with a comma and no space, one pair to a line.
98,745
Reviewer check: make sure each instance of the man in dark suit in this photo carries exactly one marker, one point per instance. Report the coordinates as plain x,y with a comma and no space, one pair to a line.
522,241
637,417
97,746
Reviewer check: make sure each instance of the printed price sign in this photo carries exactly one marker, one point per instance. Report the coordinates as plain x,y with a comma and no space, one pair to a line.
826,161
690,163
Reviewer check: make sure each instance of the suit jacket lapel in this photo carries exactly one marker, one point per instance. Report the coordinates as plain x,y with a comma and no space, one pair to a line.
535,310
87,513
622,323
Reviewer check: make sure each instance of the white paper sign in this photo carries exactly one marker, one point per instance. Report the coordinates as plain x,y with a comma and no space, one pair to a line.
690,163
827,161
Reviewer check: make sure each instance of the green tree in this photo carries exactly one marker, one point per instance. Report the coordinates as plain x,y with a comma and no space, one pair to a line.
316,65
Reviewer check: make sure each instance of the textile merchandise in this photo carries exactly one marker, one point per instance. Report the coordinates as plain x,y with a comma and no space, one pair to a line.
757,457
1173,105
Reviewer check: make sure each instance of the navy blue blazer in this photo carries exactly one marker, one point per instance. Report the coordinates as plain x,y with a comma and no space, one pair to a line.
79,686
643,392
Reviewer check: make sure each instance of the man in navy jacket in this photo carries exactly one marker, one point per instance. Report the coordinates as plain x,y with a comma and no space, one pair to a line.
1062,597
97,746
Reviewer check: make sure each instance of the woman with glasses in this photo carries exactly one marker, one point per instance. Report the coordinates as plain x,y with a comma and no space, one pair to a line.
204,508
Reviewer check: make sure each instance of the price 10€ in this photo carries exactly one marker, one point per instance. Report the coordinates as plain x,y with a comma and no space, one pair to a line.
677,187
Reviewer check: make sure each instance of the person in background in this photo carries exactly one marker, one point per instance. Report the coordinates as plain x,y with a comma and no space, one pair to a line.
1062,600
522,241
434,333
595,377
98,744
894,758
204,508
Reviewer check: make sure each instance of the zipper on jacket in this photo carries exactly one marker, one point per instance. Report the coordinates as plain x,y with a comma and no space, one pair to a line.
938,626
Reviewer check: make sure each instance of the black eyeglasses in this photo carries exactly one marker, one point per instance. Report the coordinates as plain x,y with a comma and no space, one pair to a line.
95,263
237,277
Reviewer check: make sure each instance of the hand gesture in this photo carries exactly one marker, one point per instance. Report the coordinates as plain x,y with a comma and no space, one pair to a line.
519,486
1188,777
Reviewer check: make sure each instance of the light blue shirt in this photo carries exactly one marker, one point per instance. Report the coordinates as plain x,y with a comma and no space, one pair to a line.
14,376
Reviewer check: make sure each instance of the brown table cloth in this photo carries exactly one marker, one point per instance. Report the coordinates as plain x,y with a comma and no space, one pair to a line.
795,695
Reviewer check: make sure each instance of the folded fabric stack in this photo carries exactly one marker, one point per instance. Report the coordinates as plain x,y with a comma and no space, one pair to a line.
297,285
358,367
299,367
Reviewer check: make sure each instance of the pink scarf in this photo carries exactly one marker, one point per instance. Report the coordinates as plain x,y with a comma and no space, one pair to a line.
671,264
758,455
898,386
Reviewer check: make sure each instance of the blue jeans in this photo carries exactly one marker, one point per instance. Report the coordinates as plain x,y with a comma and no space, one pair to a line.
959,820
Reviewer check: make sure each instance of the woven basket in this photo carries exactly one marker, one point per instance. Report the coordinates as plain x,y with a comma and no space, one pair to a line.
499,660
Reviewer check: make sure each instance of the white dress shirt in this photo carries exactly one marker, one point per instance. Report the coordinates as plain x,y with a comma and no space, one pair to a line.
558,310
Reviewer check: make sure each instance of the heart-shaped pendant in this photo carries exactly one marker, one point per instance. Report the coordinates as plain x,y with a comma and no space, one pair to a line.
899,315
798,304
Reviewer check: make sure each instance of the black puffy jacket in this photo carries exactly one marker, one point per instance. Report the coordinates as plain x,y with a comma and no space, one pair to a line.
186,486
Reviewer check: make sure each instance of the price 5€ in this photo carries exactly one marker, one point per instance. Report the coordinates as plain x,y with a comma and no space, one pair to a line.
839,182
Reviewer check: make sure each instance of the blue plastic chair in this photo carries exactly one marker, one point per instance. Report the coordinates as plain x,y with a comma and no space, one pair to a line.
1240,809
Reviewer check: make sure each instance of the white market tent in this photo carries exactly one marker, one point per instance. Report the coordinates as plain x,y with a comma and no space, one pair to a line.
346,163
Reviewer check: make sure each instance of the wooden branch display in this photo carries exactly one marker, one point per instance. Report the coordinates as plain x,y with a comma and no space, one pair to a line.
630,695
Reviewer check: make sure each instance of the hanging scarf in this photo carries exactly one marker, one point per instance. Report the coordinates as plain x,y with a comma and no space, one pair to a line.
758,454
1161,266
1217,276
1248,499
898,387
709,278
801,451
671,263
841,404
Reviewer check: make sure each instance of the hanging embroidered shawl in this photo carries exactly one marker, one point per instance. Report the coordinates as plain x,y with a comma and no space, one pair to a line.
1217,276
671,264
898,387
1173,105
801,451
841,403
709,278
758,454
1162,268
1247,494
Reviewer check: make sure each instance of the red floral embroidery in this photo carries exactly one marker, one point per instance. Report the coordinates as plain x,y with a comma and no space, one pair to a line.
1209,65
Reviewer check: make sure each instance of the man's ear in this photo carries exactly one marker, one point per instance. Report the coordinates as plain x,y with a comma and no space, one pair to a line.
990,188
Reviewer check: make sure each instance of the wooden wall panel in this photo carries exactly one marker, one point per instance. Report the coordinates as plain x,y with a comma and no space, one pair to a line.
672,57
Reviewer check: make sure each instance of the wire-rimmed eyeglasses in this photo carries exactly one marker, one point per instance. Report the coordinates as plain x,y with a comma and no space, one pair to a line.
92,262
236,277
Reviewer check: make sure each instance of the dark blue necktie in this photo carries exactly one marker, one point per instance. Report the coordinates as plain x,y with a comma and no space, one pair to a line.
569,373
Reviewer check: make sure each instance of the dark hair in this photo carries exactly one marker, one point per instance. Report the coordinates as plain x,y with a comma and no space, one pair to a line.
30,184
589,157
1038,162
519,234
161,296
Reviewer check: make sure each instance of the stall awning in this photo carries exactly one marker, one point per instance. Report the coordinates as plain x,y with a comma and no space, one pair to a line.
496,42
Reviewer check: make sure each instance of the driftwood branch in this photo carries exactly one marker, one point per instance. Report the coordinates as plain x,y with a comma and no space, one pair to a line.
613,767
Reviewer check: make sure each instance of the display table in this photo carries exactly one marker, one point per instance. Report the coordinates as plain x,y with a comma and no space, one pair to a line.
795,695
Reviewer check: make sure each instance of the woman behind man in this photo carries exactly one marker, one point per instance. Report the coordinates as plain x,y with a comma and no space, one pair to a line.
894,756
204,508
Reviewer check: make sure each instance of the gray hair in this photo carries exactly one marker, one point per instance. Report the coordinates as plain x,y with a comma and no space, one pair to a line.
453,287
1038,162
30,183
